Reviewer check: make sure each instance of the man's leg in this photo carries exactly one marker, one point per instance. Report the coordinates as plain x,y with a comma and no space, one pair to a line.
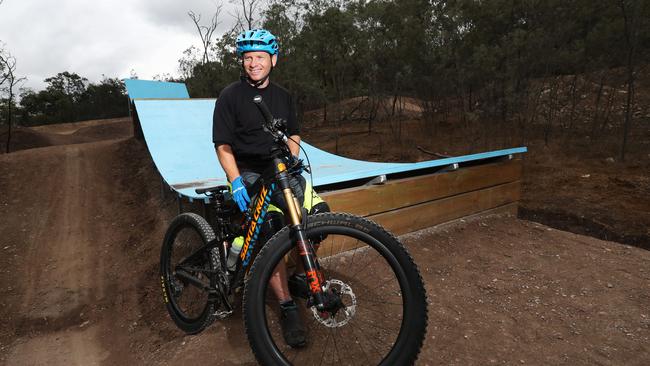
293,330
278,281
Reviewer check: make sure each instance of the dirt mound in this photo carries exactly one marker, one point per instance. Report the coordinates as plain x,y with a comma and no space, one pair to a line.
595,195
72,127
359,108
24,138
105,131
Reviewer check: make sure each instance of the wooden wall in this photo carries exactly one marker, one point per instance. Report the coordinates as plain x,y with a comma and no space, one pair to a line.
411,204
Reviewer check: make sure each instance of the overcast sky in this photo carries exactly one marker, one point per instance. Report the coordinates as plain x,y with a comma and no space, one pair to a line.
102,37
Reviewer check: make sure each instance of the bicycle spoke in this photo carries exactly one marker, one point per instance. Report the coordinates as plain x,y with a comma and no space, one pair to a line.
363,290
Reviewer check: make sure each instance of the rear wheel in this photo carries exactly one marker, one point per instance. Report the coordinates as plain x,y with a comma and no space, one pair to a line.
381,314
186,271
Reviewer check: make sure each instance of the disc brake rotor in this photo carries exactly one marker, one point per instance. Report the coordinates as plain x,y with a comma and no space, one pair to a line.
343,315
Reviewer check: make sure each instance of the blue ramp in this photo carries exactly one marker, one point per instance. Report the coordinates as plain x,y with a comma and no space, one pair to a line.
179,137
155,89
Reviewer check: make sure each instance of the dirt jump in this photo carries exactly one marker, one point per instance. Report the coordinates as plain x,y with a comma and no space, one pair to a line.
82,217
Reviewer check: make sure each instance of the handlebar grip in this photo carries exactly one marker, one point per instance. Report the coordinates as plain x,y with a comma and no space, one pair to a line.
263,108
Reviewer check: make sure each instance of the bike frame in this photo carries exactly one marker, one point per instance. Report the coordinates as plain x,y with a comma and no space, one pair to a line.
277,176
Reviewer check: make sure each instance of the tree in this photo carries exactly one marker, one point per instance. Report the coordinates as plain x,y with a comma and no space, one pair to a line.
207,80
249,9
104,100
206,31
66,89
69,97
187,63
8,81
634,13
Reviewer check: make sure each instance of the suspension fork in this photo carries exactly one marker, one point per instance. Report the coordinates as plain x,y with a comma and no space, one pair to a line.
305,249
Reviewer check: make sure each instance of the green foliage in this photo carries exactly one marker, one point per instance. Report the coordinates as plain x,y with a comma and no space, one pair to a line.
69,97
208,79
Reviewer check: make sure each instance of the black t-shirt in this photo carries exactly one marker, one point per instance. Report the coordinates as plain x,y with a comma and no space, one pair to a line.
238,121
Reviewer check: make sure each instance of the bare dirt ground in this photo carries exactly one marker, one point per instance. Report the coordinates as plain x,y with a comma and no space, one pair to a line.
81,224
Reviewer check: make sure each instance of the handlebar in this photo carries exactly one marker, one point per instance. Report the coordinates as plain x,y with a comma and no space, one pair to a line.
275,126
263,108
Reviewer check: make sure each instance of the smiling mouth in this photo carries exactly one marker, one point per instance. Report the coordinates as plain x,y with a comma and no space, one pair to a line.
256,72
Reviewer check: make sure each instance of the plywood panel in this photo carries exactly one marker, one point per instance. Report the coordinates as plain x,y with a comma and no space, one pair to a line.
400,193
400,221
428,214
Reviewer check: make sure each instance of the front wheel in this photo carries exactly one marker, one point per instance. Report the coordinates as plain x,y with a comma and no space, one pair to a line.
186,272
383,313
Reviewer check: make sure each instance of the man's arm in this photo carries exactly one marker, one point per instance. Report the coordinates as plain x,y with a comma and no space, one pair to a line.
227,161
294,145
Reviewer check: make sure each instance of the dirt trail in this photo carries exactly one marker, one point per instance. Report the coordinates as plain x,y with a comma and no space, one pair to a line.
65,267
80,229
62,274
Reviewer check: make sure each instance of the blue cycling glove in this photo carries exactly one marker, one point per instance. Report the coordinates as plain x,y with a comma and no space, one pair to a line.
240,194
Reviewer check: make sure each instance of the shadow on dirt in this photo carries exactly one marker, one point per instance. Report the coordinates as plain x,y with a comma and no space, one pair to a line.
567,221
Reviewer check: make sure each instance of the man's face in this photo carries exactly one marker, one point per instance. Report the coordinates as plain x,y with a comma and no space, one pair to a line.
258,64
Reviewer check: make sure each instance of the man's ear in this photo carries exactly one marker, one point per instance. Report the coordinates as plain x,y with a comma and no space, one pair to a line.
274,59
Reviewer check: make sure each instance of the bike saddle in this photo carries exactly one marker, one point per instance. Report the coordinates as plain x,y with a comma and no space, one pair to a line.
214,190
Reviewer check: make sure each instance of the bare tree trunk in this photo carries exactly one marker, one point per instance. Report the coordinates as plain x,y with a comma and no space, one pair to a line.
395,94
8,75
550,111
205,32
9,112
599,94
530,118
574,101
630,14
470,106
607,111
248,8
628,105
372,112
337,119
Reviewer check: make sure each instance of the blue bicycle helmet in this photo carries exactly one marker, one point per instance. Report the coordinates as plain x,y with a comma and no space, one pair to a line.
257,40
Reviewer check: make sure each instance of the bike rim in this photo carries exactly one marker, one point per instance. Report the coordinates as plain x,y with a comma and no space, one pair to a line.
372,279
188,301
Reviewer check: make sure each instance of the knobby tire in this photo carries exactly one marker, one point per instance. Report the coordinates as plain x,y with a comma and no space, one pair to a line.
188,306
390,319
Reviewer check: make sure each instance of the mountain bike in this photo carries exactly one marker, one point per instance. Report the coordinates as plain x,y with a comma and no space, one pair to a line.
366,303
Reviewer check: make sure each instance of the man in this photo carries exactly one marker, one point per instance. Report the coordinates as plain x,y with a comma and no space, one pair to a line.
243,149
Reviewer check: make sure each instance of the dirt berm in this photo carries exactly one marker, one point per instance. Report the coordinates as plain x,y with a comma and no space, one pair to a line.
81,225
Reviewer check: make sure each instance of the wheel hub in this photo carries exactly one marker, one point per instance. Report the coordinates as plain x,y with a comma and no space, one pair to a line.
337,313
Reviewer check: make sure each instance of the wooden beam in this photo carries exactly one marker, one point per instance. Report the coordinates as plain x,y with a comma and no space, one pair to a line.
369,200
417,217
404,220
